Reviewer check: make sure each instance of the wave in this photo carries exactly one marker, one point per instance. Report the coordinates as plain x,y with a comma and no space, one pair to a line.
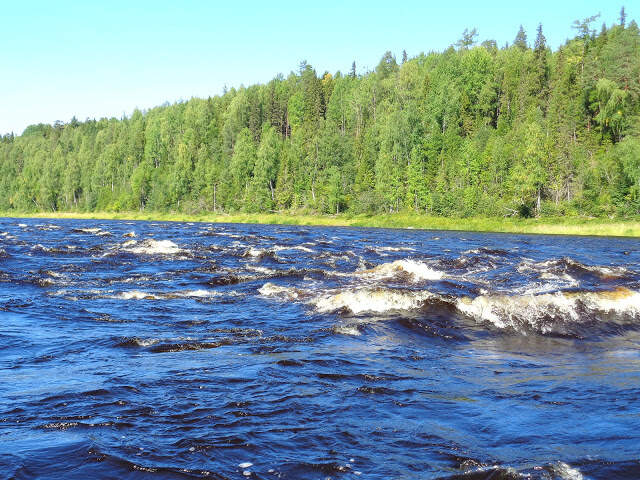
187,346
570,268
92,231
386,251
141,295
136,342
498,252
149,246
302,248
553,313
569,313
136,295
369,300
413,270
195,294
287,293
556,471
48,227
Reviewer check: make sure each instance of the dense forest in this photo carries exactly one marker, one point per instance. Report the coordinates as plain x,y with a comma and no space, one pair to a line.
477,129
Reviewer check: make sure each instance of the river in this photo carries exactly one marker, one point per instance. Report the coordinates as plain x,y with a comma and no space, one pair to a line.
194,350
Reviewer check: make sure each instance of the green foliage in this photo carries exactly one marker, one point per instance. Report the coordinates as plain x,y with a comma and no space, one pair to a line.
474,130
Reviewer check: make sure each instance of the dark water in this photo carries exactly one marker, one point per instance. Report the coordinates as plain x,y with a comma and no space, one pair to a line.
244,351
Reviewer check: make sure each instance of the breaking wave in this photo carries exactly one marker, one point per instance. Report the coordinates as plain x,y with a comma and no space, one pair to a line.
560,313
372,300
568,268
286,293
413,270
140,295
149,246
92,231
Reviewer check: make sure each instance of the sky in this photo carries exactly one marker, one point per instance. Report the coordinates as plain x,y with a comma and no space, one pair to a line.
104,59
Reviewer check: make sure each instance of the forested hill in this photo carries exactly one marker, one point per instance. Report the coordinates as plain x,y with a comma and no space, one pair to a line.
473,130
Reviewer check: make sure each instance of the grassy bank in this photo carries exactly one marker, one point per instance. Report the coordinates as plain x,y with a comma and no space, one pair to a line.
549,225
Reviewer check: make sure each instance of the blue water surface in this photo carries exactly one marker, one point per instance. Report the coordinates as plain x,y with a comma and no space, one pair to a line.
179,350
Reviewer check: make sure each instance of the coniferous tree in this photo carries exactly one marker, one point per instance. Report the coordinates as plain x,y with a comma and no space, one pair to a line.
521,39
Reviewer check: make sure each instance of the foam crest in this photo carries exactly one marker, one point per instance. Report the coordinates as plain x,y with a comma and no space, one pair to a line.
287,293
566,472
197,294
136,295
385,251
259,253
137,342
550,312
417,271
92,231
302,248
372,300
149,246
569,267
141,295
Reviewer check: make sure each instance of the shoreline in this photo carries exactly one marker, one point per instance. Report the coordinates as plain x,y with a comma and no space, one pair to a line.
543,226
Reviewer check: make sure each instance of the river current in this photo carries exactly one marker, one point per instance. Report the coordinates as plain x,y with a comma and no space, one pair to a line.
182,350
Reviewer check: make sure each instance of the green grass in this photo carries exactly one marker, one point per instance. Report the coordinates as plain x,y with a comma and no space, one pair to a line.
546,225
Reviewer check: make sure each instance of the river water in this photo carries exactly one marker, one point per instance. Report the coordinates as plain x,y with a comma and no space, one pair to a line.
179,350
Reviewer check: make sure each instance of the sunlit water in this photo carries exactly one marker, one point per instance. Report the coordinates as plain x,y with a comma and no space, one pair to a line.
172,350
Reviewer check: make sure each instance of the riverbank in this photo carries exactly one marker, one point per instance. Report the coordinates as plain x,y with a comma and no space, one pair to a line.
546,225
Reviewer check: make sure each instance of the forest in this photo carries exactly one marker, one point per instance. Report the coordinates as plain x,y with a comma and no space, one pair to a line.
475,130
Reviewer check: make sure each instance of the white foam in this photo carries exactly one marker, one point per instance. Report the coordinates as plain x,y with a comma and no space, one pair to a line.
302,248
567,472
53,274
150,246
144,342
351,330
256,252
197,293
394,249
272,290
263,270
136,295
371,300
245,465
93,231
418,271
136,279
516,311
546,267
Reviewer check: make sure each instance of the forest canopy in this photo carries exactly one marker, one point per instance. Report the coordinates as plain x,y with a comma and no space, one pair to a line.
473,130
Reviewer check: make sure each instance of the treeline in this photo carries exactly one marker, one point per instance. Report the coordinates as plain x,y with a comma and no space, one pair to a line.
474,130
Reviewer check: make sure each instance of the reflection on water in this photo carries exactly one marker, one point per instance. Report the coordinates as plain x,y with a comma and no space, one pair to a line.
169,350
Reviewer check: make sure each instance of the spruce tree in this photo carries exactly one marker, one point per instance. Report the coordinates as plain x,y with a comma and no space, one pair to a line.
521,39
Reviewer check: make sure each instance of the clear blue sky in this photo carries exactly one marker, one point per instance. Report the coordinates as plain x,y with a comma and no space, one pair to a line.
105,58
